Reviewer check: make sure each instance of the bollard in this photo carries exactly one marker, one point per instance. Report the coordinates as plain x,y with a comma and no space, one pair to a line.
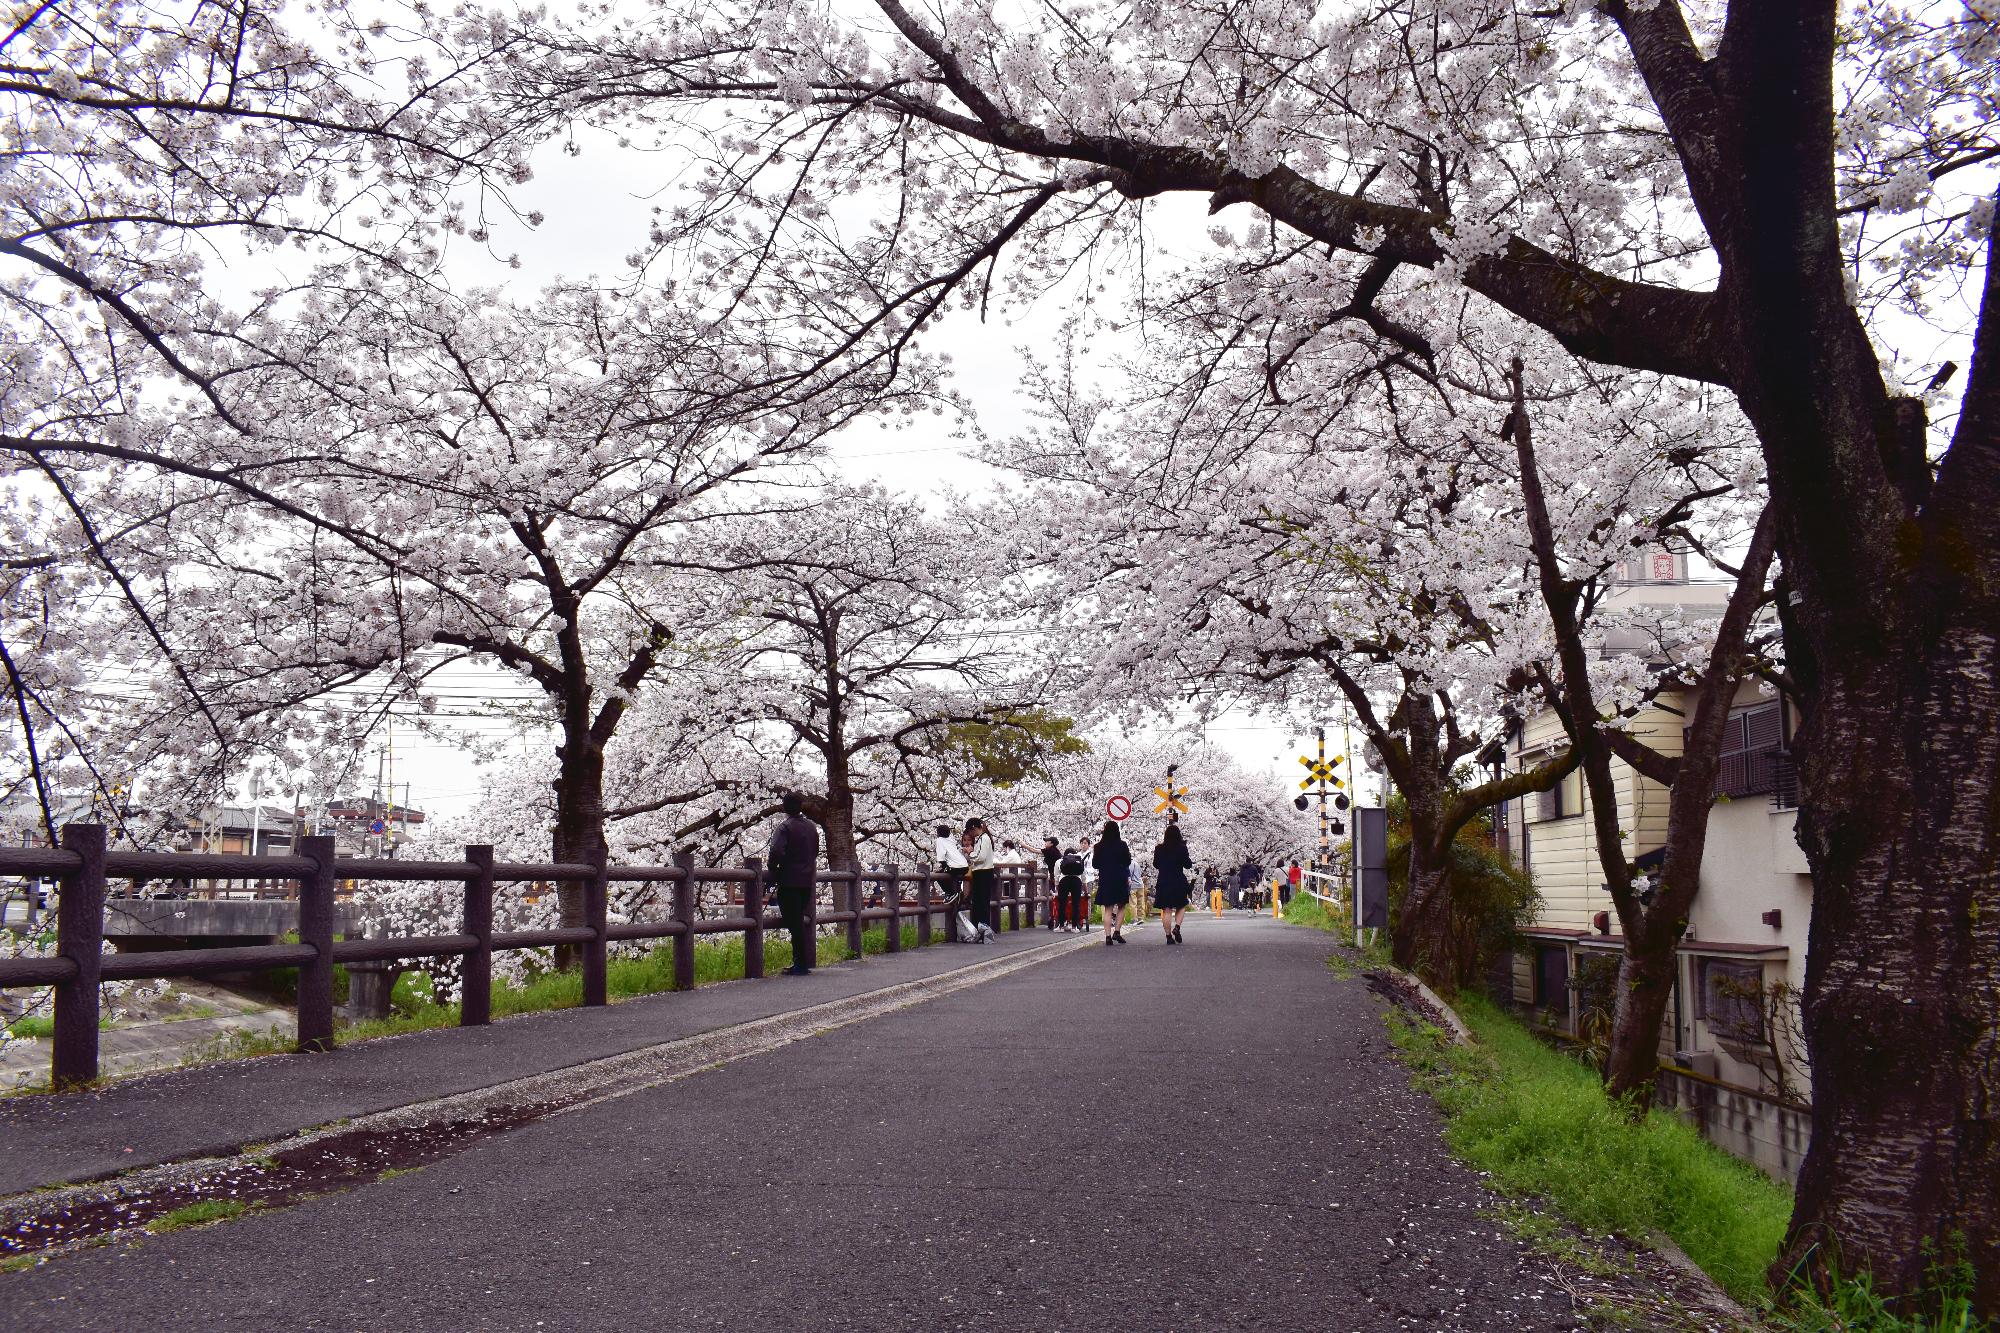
475,1005
316,929
596,905
684,896
892,894
753,907
79,938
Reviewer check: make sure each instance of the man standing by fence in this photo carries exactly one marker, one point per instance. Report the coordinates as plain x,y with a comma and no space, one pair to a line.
794,865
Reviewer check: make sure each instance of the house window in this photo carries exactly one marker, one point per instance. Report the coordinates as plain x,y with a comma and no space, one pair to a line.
1751,741
1552,978
1730,1000
1555,803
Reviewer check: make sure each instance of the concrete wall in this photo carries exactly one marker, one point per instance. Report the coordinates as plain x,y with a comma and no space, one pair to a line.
1770,1134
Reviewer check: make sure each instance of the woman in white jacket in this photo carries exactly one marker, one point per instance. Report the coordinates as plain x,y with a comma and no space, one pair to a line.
978,846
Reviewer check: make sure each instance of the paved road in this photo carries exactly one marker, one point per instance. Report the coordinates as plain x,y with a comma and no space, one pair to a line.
1150,1138
222,1107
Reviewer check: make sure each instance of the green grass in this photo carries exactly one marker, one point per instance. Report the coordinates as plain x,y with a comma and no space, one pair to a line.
1943,1306
716,959
199,1214
1539,1123
1309,912
44,1025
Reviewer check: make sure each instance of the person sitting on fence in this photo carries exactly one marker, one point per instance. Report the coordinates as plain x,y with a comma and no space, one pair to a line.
951,867
794,865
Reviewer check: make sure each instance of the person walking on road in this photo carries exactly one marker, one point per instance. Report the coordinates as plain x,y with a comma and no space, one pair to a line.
978,845
1113,861
1051,853
1172,892
794,862
1246,879
1293,878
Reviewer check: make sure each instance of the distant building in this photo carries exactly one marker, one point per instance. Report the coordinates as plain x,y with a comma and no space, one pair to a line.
248,830
367,826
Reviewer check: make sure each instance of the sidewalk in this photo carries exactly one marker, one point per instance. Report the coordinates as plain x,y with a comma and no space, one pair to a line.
233,1104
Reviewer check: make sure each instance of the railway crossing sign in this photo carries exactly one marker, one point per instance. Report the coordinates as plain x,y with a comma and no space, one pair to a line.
1119,807
1171,798
1322,771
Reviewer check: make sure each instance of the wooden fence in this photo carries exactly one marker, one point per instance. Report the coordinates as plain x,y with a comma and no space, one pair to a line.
82,865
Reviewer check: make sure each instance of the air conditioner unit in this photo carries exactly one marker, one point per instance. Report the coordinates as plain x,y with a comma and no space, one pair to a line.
1696,1062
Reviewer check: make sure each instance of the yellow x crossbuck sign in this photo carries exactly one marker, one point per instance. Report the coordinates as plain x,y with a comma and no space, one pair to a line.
1171,798
1322,770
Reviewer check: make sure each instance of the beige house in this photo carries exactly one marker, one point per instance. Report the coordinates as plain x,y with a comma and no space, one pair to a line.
1733,1024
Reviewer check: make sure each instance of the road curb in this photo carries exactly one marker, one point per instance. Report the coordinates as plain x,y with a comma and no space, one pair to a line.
1460,1034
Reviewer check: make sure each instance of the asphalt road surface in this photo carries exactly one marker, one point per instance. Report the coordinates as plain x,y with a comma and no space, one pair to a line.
1210,1136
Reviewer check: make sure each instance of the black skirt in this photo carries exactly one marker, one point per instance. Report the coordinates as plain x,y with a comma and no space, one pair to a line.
1113,890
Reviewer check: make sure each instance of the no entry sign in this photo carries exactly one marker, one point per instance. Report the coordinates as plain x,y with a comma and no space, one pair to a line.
1118,807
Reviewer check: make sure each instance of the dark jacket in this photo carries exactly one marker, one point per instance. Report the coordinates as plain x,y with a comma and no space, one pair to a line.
1112,859
795,853
1173,861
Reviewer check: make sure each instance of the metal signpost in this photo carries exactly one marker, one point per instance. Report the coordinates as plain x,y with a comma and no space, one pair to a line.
1323,780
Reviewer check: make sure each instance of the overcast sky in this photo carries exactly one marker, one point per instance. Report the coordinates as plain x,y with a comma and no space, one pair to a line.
595,206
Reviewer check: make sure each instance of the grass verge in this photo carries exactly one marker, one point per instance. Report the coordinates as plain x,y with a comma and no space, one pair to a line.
199,1215
1540,1125
715,959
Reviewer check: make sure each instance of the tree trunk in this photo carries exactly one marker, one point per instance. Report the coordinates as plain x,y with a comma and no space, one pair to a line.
1902,1001
1898,579
579,831
838,821
1425,940
1645,988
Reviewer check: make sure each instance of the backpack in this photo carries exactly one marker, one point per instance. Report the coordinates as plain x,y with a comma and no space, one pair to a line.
1072,864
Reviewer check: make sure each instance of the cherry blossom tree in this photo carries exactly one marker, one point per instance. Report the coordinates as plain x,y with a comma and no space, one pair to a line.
1740,195
870,628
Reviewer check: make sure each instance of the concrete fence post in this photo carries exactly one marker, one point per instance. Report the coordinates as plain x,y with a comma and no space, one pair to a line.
79,938
475,988
684,900
892,894
316,929
855,898
596,904
753,907
923,910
